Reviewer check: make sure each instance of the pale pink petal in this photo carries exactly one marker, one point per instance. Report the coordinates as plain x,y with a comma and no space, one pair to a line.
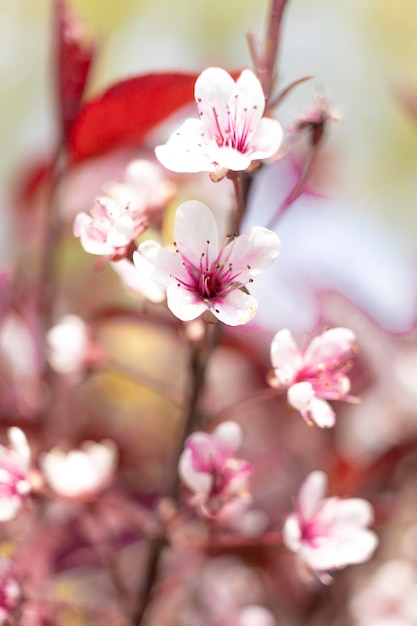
9,507
20,447
186,305
322,413
256,616
157,263
137,282
229,434
285,356
331,344
227,157
267,139
354,512
248,99
356,547
196,232
213,90
291,533
252,252
206,452
311,493
235,308
183,151
300,396
199,482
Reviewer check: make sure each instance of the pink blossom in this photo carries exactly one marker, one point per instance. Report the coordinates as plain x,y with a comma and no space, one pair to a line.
110,228
10,592
328,533
14,469
200,275
209,468
68,345
81,473
388,598
315,374
231,133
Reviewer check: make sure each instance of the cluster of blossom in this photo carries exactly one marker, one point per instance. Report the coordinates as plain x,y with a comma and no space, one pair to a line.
204,277
201,273
79,474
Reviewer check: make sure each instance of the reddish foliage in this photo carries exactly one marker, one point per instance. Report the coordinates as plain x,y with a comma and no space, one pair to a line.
127,111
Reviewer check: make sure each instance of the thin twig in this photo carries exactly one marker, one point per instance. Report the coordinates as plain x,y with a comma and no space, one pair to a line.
199,357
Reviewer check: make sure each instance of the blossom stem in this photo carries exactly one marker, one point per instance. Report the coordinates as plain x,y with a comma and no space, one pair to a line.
298,188
200,353
237,181
271,45
265,60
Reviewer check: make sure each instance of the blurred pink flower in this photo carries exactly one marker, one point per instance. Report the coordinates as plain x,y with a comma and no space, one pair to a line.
14,470
10,593
144,189
200,275
231,132
255,615
68,345
209,468
315,374
81,473
388,598
328,533
135,281
110,228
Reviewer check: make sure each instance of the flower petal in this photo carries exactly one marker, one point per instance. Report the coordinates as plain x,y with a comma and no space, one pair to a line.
199,482
229,434
332,344
136,281
196,233
252,252
322,413
157,263
267,139
311,493
213,90
248,99
184,304
285,356
183,151
235,308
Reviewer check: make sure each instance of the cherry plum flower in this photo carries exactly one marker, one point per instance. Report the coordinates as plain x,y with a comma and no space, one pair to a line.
231,133
315,374
328,533
144,188
10,592
388,598
111,226
201,275
209,468
82,473
14,474
69,345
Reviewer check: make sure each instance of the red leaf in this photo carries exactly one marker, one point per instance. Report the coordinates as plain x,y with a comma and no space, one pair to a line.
73,58
127,111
